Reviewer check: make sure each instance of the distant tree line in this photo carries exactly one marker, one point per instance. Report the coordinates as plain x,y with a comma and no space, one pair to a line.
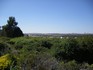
11,29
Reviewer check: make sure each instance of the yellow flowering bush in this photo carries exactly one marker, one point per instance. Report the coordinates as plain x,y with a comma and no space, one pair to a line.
5,61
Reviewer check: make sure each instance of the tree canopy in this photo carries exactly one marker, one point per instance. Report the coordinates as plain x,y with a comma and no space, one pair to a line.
11,29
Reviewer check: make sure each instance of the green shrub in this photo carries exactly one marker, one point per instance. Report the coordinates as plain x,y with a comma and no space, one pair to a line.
4,48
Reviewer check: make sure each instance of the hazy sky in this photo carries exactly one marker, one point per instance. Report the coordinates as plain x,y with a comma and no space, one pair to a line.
49,16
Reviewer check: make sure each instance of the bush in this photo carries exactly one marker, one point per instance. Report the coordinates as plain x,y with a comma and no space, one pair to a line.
46,44
67,49
36,61
4,48
80,49
5,62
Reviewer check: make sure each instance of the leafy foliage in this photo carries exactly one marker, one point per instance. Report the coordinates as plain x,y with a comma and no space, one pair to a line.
40,53
11,29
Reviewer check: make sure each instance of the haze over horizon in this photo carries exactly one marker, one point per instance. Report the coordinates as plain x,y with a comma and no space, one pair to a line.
49,16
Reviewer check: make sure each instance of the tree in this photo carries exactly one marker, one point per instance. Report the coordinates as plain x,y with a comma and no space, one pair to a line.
11,29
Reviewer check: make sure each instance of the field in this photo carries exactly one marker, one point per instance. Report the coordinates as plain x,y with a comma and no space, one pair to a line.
45,53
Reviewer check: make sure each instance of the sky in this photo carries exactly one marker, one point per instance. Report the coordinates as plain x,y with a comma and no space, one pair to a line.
49,16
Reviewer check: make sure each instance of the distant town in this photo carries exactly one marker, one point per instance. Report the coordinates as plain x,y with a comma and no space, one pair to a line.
57,35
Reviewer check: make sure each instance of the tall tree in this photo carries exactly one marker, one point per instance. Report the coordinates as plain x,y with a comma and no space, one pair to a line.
11,29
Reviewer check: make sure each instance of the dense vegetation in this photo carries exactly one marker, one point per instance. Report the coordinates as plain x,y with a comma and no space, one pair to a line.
44,53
